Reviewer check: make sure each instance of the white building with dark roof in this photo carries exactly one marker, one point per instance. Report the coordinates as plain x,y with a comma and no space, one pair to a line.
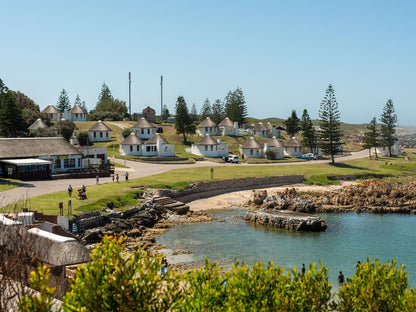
157,145
252,149
99,132
207,126
276,146
209,147
77,113
144,129
228,127
293,147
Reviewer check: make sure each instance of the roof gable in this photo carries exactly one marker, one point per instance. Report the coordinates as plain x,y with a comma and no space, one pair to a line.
207,122
260,127
207,140
50,109
132,139
38,124
77,110
227,122
251,143
100,126
143,123
155,137
273,142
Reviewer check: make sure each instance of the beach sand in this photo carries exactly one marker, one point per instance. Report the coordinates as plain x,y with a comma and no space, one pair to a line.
236,200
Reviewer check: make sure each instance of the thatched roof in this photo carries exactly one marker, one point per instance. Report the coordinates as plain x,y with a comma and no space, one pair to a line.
132,139
269,126
38,124
273,142
100,126
207,140
251,143
207,122
227,122
50,109
155,137
35,147
77,110
143,123
260,127
293,142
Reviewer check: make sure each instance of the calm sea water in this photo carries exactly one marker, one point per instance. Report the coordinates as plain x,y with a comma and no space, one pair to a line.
351,237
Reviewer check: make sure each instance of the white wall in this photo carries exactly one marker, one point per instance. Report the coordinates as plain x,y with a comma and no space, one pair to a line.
219,150
100,136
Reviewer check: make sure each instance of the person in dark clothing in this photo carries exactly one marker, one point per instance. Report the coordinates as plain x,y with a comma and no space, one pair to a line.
303,268
340,277
70,190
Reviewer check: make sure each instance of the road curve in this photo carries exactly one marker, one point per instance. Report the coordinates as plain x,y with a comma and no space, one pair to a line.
136,170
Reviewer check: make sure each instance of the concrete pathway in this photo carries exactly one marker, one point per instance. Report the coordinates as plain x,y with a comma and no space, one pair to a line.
136,170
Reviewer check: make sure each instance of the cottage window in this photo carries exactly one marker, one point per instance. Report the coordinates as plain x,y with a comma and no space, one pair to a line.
106,134
57,163
79,162
142,131
206,148
138,147
148,131
131,148
76,116
251,152
101,134
296,149
151,148
212,148
95,134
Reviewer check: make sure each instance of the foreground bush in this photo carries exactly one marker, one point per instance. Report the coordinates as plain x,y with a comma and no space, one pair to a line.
119,281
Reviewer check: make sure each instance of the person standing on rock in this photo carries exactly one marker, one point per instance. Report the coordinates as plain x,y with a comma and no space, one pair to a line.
303,268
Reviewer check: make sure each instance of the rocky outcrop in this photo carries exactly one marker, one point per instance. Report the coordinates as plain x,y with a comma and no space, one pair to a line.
286,220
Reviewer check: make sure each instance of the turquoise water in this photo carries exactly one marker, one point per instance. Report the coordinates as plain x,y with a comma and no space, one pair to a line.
350,237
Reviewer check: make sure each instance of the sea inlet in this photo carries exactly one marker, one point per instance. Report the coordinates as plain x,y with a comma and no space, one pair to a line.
350,237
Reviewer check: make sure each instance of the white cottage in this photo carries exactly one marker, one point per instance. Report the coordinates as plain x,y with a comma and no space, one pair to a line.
228,127
158,146
261,130
395,149
276,146
52,113
132,145
293,147
209,147
144,129
207,126
252,149
100,132
77,113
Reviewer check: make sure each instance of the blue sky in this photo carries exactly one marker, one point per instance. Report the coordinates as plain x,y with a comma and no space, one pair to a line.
282,54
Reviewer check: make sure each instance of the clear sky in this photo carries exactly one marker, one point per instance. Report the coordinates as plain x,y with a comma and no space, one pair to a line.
282,54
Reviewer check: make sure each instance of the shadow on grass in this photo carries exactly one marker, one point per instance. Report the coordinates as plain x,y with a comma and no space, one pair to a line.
15,183
347,166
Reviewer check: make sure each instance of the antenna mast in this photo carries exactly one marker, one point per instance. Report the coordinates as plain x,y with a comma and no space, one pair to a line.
161,99
129,96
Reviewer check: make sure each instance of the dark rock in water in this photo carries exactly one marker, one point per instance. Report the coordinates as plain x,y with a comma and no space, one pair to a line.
286,220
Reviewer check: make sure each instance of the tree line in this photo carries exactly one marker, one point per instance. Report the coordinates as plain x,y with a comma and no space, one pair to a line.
328,135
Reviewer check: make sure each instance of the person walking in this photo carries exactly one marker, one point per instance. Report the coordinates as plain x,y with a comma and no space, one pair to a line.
127,176
303,268
97,179
340,277
112,177
117,177
70,190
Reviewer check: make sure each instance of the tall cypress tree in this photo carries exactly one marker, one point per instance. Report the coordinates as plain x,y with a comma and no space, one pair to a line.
292,124
183,122
63,101
371,137
205,110
330,133
308,132
78,101
217,111
235,106
388,125
12,123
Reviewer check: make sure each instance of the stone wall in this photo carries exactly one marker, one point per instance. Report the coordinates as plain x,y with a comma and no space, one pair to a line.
212,188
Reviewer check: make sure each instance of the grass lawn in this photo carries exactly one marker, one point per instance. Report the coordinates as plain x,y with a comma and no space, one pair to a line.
7,184
125,193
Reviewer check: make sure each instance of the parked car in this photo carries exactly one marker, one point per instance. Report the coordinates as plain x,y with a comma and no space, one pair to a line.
231,159
310,155
303,157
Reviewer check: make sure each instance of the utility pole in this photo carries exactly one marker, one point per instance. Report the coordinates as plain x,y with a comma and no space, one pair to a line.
129,96
161,99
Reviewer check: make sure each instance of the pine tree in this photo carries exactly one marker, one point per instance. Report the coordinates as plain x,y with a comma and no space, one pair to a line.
235,106
371,137
83,106
3,88
183,122
12,123
217,111
388,125
330,133
77,101
63,103
194,113
308,132
206,110
165,112
292,124
105,94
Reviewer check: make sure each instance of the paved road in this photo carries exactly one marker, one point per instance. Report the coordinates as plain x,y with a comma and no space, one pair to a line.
136,170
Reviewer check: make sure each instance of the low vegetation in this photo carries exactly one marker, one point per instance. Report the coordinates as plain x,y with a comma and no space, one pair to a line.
132,281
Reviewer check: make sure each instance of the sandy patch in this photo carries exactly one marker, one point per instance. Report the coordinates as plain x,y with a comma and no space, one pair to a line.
238,199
